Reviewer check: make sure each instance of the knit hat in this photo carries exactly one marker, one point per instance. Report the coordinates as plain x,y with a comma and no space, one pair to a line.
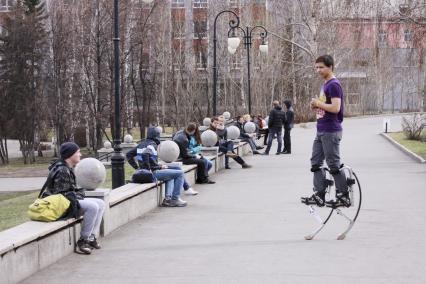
68,149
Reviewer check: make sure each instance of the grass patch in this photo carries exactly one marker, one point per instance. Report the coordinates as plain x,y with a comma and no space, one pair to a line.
13,208
417,147
128,172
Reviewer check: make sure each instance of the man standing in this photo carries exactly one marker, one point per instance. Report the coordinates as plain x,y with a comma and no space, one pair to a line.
329,111
275,125
288,125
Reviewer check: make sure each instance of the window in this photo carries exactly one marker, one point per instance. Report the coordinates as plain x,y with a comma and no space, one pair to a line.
200,29
234,3
178,29
357,35
408,35
201,58
200,3
6,5
382,38
178,3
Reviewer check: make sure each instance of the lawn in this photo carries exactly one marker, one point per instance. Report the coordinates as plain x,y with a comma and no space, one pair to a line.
128,172
417,147
13,208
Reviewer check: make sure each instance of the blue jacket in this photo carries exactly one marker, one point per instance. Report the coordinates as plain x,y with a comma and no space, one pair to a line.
146,152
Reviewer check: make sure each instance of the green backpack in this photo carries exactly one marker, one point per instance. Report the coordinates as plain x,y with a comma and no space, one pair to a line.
50,208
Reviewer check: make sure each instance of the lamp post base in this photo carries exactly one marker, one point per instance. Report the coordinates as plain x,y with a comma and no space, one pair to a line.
117,167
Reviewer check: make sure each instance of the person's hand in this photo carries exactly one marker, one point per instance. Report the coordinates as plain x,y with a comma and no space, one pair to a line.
314,103
164,167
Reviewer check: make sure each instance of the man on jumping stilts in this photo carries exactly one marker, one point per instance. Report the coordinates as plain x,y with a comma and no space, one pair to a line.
329,112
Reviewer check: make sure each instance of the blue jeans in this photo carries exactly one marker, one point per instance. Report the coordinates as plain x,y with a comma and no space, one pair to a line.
271,136
208,164
174,181
185,183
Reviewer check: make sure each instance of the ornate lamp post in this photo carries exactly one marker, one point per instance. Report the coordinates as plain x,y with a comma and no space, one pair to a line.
117,158
248,36
234,42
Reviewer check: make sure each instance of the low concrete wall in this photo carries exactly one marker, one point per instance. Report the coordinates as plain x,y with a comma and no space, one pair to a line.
32,246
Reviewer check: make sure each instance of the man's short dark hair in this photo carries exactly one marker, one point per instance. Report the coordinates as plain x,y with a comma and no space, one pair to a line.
327,60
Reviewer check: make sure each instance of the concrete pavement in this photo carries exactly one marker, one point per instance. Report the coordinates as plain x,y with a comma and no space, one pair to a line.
249,226
21,184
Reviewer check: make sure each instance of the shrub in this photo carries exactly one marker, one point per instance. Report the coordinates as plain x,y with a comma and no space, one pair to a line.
413,126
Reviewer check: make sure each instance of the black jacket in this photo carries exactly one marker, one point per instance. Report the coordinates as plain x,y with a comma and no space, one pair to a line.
61,180
243,133
289,122
276,118
182,139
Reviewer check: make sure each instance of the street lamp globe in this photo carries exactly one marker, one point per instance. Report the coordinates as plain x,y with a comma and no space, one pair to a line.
233,42
263,48
231,50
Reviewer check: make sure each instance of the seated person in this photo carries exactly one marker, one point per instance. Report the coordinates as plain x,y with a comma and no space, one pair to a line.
246,137
190,137
64,183
226,147
147,157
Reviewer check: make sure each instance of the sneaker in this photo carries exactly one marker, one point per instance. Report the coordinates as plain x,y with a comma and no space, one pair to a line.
342,200
285,152
83,246
264,154
177,203
93,242
246,166
166,202
256,152
190,191
316,199
227,167
278,153
259,147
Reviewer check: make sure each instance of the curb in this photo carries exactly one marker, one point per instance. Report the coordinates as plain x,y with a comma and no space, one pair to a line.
408,152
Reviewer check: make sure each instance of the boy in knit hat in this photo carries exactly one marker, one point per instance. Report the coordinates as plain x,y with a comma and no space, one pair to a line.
63,182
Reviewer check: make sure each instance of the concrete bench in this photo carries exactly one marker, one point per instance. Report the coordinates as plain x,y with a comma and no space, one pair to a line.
32,246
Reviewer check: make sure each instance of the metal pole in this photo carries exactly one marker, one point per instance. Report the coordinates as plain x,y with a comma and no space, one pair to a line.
214,68
248,45
117,158
232,24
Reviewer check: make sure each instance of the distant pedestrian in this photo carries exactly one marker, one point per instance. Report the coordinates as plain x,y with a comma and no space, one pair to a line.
288,125
275,125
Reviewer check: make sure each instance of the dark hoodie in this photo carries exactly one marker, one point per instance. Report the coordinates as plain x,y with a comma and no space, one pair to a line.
276,118
146,152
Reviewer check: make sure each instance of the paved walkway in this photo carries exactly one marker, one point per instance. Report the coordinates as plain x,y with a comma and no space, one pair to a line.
249,226
21,184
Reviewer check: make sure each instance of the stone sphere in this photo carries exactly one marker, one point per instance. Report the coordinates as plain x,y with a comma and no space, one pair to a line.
207,121
168,151
90,173
227,115
160,129
208,138
107,145
249,127
128,138
233,132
